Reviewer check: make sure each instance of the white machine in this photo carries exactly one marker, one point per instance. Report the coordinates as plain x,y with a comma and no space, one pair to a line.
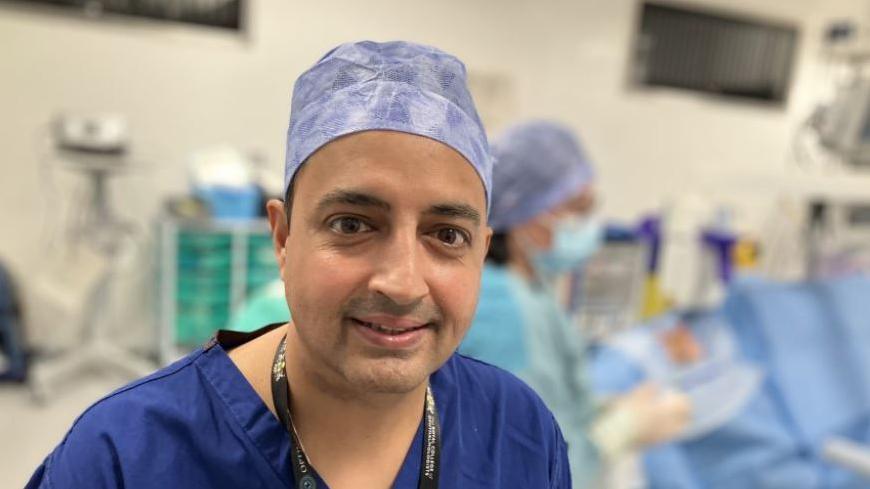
838,237
607,293
77,292
92,133
844,125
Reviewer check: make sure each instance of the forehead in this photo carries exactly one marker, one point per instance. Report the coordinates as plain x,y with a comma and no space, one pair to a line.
582,201
397,166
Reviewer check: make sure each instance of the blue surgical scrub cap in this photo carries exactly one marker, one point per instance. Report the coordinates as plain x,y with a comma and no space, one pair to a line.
538,165
397,86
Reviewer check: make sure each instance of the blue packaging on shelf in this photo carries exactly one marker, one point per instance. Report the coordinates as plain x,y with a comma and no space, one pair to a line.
231,203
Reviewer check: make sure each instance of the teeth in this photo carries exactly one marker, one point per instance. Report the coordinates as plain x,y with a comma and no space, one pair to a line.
385,330
379,328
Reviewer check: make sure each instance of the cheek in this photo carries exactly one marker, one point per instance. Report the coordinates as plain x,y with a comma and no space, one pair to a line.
456,293
536,234
542,236
322,281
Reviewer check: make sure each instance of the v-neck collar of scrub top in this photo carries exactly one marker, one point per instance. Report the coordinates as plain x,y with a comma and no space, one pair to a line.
262,426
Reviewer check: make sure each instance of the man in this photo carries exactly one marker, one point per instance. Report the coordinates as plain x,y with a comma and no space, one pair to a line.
380,242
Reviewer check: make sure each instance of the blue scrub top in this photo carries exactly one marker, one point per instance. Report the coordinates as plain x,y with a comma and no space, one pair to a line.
199,423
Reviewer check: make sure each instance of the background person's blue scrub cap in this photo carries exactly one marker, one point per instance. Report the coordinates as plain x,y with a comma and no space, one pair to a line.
398,86
538,165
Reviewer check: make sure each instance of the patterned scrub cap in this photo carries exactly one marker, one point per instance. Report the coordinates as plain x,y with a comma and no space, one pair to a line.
397,86
538,165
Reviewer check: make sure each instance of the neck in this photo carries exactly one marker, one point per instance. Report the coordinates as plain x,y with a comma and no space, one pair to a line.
370,428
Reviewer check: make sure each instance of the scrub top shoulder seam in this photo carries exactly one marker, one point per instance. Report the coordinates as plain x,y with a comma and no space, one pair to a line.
159,375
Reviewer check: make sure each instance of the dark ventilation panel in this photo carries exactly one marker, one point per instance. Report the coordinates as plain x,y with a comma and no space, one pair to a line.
712,52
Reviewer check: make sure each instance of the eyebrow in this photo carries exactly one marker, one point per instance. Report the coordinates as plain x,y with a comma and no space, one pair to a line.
352,197
362,199
461,211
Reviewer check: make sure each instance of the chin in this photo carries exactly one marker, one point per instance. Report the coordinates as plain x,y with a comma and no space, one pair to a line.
390,375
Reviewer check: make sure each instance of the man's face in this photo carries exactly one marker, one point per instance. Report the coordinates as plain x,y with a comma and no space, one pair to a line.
382,260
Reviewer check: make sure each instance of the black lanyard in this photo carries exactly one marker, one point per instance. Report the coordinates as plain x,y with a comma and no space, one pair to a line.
304,473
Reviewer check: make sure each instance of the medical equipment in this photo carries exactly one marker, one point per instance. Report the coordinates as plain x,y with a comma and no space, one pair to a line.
838,237
607,292
208,269
619,286
96,148
844,125
837,130
92,133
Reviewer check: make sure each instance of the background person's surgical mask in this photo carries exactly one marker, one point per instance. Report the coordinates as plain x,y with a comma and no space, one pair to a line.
575,239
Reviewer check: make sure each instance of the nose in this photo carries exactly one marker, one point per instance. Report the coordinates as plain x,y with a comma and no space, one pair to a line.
399,273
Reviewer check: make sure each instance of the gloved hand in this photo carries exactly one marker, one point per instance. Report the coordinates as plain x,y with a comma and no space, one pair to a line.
659,415
644,416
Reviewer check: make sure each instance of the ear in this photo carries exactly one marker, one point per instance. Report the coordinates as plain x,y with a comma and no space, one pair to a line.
488,233
278,224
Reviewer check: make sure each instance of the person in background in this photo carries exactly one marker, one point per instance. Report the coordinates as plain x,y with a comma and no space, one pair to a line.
544,226
380,242
266,305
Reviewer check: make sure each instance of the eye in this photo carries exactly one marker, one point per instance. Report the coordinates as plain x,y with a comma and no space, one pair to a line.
452,237
349,225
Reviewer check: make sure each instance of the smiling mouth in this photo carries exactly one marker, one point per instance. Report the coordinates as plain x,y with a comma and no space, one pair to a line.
387,330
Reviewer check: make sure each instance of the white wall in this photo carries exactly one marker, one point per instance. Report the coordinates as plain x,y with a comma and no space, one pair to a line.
185,88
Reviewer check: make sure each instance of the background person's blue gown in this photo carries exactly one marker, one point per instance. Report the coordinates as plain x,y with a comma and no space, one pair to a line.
522,328
199,424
